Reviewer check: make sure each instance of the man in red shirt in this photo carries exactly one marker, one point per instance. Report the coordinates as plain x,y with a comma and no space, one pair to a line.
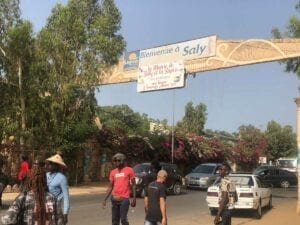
121,181
22,174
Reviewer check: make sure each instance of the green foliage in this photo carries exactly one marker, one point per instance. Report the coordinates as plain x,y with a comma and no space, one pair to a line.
292,31
251,145
16,78
60,69
223,135
281,140
121,117
9,16
194,119
79,40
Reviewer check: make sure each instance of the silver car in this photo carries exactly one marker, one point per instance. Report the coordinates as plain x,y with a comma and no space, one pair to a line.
202,176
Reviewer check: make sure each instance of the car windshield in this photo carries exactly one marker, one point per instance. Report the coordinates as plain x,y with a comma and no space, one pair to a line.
262,168
141,168
242,180
204,169
287,163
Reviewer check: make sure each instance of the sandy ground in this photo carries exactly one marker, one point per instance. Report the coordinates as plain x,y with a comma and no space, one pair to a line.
282,214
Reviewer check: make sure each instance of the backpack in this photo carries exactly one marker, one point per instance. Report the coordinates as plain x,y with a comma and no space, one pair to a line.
232,194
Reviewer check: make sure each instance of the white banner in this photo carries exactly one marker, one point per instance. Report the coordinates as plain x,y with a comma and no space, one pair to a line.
194,49
160,76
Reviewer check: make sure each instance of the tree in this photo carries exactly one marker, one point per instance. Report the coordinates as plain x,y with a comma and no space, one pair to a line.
281,140
292,31
250,146
9,17
79,40
17,76
223,135
194,119
121,117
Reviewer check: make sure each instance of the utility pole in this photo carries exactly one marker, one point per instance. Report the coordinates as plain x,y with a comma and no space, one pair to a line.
173,113
297,101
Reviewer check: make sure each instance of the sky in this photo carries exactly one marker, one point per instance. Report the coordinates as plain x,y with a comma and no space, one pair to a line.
254,94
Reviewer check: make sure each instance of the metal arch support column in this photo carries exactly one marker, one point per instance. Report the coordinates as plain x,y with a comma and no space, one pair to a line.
297,101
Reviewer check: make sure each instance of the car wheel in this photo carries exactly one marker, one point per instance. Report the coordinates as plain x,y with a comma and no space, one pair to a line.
270,203
284,184
258,211
177,188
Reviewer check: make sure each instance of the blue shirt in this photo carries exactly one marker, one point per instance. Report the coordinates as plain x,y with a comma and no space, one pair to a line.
58,186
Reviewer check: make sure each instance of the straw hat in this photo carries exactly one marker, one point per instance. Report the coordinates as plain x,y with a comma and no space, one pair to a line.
56,159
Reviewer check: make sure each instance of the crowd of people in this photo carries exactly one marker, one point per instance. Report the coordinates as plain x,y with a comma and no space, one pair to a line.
44,196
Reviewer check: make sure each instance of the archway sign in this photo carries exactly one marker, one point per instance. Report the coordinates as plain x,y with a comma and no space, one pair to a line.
204,54
194,56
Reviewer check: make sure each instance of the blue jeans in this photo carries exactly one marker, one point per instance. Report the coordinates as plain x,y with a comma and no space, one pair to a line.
119,211
226,217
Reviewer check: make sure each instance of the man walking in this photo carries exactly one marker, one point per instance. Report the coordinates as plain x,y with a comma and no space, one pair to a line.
155,201
226,201
120,180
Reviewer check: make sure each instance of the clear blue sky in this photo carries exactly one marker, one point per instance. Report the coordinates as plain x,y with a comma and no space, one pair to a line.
253,94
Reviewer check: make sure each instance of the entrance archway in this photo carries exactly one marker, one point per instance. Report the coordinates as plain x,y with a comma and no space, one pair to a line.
228,53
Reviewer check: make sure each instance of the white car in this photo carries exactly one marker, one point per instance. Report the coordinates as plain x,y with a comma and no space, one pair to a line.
252,194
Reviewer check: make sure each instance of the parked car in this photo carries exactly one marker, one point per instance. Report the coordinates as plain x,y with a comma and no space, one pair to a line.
277,177
253,194
263,167
289,164
145,173
202,176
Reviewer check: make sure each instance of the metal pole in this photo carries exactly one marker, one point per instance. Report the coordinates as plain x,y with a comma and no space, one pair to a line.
297,101
173,109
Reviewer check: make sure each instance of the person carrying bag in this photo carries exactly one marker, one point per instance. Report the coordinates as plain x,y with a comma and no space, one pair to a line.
34,206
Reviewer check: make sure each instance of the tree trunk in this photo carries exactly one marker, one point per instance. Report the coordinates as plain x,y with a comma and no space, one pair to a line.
94,168
22,103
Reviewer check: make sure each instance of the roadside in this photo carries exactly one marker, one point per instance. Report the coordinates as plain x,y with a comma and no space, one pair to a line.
283,211
87,188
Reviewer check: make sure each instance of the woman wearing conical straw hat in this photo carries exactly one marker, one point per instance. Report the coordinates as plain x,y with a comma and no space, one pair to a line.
34,205
58,186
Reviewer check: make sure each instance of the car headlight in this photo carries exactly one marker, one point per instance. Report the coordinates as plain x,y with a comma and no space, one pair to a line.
138,180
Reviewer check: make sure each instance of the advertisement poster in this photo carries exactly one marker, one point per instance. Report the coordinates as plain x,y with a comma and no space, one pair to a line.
161,76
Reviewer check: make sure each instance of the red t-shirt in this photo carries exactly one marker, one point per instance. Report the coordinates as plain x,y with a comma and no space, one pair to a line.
121,179
23,170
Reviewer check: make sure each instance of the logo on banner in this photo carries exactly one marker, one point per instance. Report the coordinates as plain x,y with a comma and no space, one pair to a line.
131,60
